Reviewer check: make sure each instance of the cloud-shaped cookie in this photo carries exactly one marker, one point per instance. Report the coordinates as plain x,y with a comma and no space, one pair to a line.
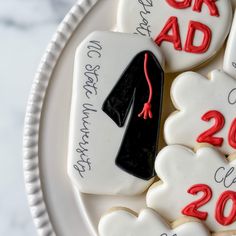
207,111
124,222
201,185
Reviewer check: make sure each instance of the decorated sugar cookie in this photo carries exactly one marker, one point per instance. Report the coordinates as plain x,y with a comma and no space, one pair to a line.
230,56
115,114
200,185
149,223
188,31
206,111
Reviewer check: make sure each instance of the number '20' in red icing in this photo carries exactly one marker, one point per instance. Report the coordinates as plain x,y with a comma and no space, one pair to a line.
208,135
192,208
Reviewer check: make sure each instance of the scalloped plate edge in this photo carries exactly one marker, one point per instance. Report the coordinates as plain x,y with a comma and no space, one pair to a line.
33,115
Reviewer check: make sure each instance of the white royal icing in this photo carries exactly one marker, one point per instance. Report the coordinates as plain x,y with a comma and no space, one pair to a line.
230,55
180,168
193,96
94,138
148,223
148,17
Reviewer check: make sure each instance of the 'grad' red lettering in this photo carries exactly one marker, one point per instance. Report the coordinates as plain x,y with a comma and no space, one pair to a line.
171,25
207,36
179,4
211,5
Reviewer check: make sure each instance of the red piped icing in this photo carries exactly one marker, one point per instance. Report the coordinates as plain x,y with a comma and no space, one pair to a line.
211,5
220,208
147,112
192,208
179,4
207,136
207,36
232,135
171,25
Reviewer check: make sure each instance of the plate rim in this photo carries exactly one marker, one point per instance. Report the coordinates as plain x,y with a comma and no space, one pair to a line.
34,107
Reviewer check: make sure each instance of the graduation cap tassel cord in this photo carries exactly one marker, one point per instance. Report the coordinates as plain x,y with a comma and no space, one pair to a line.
147,112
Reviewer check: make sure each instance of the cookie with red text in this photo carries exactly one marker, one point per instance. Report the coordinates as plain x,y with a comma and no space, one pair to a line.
200,185
229,64
206,111
189,32
124,222
115,113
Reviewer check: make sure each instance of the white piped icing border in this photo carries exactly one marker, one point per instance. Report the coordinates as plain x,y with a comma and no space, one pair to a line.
33,114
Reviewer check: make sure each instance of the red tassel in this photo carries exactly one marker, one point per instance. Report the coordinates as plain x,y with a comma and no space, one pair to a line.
146,112
147,108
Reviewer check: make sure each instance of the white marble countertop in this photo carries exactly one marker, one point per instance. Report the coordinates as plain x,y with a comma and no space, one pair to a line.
26,27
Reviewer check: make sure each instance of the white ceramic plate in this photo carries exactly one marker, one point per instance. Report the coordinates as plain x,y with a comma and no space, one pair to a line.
55,205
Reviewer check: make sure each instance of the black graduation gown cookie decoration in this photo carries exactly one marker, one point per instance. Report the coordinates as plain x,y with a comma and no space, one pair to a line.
115,113
141,85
